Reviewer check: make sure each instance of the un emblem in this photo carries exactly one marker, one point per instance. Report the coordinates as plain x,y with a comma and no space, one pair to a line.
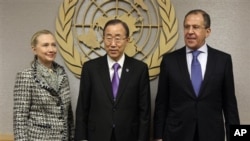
79,26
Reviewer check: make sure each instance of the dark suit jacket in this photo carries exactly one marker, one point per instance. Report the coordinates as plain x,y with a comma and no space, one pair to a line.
178,112
97,113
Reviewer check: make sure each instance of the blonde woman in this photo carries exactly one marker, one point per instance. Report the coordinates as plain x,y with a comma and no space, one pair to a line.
42,103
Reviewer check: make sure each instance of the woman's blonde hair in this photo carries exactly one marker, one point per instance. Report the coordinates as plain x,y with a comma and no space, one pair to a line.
37,34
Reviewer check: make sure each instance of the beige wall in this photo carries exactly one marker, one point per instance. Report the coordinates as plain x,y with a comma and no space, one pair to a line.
19,19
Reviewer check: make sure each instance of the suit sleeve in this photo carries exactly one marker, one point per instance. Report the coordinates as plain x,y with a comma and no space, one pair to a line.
82,109
22,102
161,102
229,99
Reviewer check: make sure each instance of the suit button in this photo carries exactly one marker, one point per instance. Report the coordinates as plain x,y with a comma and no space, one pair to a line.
114,109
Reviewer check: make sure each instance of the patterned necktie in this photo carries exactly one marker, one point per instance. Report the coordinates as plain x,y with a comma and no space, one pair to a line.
196,75
115,79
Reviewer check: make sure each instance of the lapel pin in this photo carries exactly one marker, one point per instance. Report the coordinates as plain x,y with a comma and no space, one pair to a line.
127,70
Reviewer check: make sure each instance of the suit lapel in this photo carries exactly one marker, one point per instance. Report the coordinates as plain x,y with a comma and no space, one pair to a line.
182,61
124,80
105,77
40,79
209,68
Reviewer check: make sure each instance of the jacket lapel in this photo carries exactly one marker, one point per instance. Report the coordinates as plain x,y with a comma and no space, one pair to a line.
61,77
105,77
39,78
182,61
209,69
124,80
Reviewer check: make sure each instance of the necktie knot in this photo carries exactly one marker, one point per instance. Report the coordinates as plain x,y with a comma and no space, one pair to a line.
116,66
196,53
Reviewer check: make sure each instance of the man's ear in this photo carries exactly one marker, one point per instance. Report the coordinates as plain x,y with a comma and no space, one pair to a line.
208,32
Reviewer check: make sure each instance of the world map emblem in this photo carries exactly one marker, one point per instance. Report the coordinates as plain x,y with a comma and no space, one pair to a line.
79,28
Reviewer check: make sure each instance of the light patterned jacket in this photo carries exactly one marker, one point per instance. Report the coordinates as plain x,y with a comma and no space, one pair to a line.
41,112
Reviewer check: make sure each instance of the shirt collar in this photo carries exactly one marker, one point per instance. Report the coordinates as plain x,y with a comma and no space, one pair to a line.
203,49
111,61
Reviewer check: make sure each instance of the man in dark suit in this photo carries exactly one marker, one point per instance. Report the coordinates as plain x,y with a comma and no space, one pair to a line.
184,111
103,116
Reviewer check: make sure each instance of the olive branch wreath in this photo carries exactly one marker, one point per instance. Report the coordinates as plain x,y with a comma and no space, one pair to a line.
168,37
73,59
64,37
